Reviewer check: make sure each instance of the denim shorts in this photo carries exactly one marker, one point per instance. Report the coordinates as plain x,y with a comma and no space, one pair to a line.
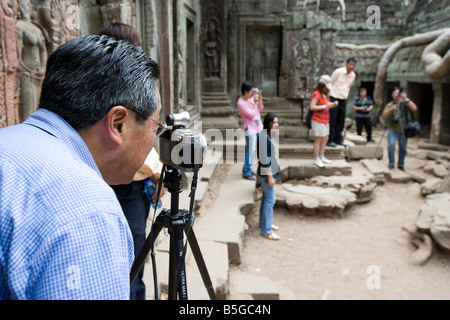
320,129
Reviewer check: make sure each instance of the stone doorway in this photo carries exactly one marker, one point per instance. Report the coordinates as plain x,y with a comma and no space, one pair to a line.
263,56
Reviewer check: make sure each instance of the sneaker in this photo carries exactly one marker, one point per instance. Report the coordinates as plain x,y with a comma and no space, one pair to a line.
318,163
331,144
275,227
251,178
271,236
324,159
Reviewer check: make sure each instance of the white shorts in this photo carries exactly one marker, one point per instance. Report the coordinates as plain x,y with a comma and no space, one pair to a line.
320,129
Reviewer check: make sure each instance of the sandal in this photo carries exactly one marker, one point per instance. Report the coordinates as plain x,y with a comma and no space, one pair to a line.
271,236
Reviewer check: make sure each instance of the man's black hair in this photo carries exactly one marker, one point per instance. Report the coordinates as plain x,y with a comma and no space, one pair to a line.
247,86
89,75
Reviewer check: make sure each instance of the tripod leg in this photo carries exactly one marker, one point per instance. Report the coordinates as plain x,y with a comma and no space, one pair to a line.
177,269
140,259
201,264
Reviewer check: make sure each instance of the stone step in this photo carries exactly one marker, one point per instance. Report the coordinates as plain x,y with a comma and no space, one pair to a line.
246,286
304,150
220,123
300,169
218,111
216,103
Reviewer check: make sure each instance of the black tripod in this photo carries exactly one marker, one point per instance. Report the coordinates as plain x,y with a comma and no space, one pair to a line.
176,221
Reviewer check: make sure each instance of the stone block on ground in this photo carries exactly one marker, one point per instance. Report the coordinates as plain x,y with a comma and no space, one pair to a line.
215,256
311,200
430,186
399,176
377,168
300,169
359,152
434,219
244,284
356,139
361,186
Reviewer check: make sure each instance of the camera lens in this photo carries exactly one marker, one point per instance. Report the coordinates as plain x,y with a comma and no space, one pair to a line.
179,119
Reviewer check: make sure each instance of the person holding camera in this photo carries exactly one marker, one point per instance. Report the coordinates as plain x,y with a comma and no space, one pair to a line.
249,106
362,106
63,234
395,113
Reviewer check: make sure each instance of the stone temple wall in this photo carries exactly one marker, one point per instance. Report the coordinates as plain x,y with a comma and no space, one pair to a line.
207,48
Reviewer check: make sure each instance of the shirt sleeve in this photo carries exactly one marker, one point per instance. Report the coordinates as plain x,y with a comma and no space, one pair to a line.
316,95
245,110
152,165
88,259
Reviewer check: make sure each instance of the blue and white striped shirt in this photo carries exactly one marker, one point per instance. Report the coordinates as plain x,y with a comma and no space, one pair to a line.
63,234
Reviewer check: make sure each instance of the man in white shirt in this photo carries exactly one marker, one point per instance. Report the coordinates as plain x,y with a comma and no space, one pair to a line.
342,80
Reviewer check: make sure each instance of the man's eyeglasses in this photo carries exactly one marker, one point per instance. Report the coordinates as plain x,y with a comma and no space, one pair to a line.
161,127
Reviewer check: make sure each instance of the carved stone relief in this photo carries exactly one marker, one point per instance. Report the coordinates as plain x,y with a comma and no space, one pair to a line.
212,50
32,60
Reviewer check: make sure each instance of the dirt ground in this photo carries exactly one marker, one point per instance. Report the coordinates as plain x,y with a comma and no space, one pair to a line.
362,256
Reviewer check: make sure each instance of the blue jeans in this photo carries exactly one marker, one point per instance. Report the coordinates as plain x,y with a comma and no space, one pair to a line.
267,204
393,136
250,147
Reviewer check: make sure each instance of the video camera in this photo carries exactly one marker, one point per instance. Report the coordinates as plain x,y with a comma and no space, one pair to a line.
181,148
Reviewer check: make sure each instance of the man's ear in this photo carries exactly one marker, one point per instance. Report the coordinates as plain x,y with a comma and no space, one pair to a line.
115,123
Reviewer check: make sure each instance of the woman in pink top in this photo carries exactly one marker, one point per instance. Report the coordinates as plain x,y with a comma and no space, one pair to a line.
249,106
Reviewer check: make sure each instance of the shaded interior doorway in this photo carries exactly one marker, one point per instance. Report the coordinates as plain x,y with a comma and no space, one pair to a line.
262,57
444,135
370,87
423,96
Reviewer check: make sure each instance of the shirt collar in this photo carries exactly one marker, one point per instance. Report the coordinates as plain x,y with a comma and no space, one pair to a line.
53,124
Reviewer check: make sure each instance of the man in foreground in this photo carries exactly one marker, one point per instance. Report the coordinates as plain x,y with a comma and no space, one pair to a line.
63,234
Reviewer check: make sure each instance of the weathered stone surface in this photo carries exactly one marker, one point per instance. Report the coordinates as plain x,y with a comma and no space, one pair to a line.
356,139
430,186
423,244
311,200
361,186
257,287
399,176
358,152
304,168
377,168
434,219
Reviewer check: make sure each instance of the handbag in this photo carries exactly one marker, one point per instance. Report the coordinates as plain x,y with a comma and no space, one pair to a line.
412,128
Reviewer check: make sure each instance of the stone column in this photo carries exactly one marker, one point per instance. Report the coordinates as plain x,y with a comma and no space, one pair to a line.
436,119
9,60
